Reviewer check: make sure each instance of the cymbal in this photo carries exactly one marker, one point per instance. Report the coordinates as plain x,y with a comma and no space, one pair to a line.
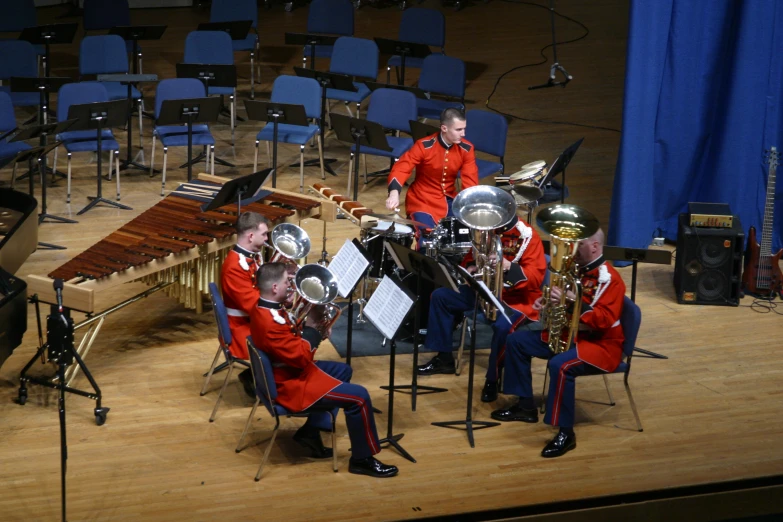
524,194
396,218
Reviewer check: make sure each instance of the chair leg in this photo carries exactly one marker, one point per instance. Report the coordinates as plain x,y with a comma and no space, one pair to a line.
461,349
269,155
222,389
364,160
348,109
350,173
388,74
152,156
252,76
110,175
608,391
139,58
68,192
268,449
358,110
54,161
321,155
247,426
13,176
210,372
543,392
633,403
334,441
117,163
141,125
212,158
232,100
163,174
301,169
255,159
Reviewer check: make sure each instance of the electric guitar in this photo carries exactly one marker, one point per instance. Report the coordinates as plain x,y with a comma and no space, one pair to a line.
762,274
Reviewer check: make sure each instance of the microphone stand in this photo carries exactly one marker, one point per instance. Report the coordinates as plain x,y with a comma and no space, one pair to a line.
556,67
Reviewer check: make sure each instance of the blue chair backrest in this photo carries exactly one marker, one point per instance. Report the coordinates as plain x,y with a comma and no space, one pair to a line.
177,89
103,54
261,366
78,93
298,91
17,58
221,315
443,75
424,26
630,321
105,14
17,15
355,56
331,17
7,115
213,47
487,131
234,10
392,108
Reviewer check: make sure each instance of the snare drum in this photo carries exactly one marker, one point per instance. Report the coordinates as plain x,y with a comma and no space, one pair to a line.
456,236
382,262
530,173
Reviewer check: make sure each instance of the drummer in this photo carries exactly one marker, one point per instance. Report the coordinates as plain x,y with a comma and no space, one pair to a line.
438,160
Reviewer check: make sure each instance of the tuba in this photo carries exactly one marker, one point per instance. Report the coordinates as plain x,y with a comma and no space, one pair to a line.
483,209
566,226
290,242
317,287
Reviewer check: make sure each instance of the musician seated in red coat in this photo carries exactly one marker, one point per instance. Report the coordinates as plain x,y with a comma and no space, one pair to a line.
303,382
438,159
524,266
238,285
598,348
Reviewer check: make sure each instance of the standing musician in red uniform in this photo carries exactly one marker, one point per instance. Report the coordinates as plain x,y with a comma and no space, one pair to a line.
598,348
437,160
524,266
303,382
238,284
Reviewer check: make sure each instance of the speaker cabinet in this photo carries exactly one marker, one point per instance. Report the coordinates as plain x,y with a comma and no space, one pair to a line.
708,267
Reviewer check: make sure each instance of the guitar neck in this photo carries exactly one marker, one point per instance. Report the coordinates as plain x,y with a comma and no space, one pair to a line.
769,207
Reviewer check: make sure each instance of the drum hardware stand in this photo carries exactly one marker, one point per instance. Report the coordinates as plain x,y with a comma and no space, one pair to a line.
556,67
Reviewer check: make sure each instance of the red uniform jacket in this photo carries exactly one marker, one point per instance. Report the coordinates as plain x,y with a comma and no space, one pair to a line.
603,290
437,166
522,282
299,381
240,295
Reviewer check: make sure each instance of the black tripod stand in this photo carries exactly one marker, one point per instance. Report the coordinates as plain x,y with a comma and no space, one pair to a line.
556,67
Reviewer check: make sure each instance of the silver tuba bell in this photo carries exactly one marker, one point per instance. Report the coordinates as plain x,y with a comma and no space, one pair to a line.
290,242
317,287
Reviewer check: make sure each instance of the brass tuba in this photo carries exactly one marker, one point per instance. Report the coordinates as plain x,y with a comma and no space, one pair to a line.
566,226
483,209
290,242
317,286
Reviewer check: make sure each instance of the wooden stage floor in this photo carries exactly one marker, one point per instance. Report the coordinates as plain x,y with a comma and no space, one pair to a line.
712,412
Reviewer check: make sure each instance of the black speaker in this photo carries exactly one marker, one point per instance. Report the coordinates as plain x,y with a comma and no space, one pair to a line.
708,267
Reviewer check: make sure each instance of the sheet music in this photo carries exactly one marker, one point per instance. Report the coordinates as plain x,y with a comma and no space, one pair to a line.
387,307
497,304
348,265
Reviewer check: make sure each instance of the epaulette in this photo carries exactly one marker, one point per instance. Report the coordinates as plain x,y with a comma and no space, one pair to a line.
428,143
465,146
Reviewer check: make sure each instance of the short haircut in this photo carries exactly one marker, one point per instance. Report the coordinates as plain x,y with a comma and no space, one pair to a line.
451,114
249,221
269,274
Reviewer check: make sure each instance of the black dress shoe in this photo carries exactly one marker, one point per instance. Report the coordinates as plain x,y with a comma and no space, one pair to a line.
371,467
437,365
246,378
516,413
560,445
312,441
490,392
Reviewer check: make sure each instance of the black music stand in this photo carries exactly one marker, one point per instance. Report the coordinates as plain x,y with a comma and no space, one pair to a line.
99,116
422,267
327,80
403,50
276,113
635,256
374,86
136,33
237,189
129,80
421,130
559,165
48,35
360,133
189,111
310,39
468,423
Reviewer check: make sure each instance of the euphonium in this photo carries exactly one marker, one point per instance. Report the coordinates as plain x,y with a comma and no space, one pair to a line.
483,209
566,225
318,288
290,242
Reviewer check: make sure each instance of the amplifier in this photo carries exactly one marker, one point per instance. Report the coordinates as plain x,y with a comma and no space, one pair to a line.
713,215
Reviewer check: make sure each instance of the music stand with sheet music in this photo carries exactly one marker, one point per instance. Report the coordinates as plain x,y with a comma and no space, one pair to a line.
236,190
360,133
277,113
327,80
189,111
387,315
468,423
559,165
129,80
423,267
48,35
403,50
135,33
99,116
311,40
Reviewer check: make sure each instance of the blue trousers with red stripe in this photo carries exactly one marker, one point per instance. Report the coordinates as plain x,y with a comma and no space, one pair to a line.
563,369
357,405
427,219
448,306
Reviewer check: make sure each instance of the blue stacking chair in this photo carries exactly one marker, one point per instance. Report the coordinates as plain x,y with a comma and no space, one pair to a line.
393,109
236,10
105,54
84,140
298,91
18,15
487,131
18,58
445,76
102,15
266,393
8,123
224,341
328,17
177,135
356,57
418,25
215,48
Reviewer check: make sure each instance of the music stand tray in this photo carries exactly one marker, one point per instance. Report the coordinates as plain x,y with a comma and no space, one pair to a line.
237,29
374,86
403,50
135,33
214,75
360,133
236,189
311,40
559,165
51,34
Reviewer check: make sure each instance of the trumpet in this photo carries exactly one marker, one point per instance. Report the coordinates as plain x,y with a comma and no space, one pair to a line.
317,287
290,242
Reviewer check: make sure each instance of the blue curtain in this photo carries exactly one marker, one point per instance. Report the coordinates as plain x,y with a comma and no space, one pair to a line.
703,100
